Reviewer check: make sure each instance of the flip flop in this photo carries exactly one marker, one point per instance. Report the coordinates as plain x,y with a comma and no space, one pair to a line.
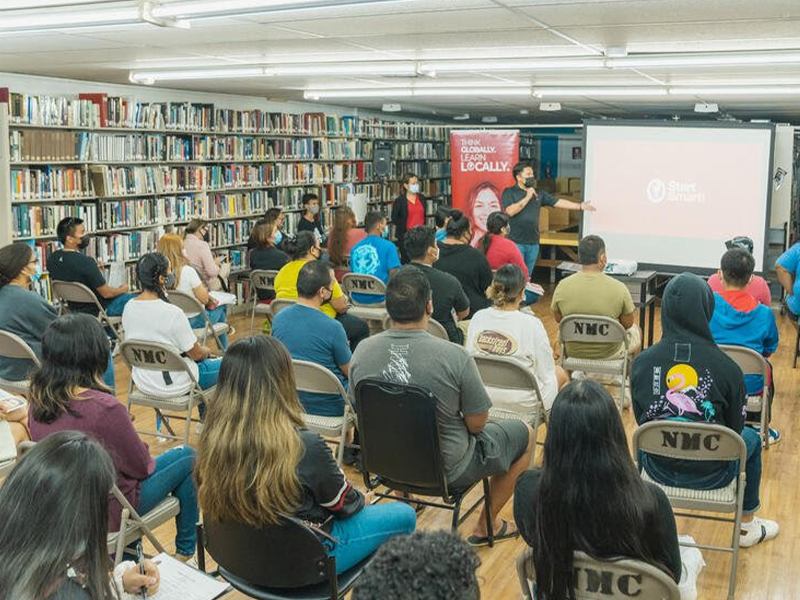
499,536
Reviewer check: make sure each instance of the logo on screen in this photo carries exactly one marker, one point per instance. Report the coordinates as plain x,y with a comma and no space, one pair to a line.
656,191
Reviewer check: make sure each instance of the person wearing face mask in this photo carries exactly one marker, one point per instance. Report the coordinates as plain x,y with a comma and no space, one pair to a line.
449,300
24,312
522,202
302,249
323,341
499,250
151,318
374,255
310,220
408,209
265,254
71,264
465,263
213,270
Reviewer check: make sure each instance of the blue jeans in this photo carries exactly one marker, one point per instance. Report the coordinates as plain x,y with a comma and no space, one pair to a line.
207,377
108,376
719,478
362,534
173,475
530,252
215,315
117,305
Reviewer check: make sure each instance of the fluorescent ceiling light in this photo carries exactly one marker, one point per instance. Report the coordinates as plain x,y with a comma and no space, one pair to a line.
511,64
61,19
222,8
317,94
599,91
288,70
735,91
388,92
150,77
705,59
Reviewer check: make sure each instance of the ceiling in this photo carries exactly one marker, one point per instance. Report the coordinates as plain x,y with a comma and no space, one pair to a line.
417,30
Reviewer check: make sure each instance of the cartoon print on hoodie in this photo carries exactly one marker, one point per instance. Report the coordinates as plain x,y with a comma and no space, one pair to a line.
687,394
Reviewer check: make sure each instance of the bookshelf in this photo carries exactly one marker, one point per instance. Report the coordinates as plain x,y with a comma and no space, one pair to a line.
135,170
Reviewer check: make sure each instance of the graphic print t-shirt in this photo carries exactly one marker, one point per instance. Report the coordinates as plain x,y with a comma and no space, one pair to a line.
373,256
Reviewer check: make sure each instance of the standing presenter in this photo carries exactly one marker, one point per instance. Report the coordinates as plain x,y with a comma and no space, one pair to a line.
522,202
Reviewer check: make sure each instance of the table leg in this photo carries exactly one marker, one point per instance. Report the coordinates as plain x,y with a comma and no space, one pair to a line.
642,310
652,321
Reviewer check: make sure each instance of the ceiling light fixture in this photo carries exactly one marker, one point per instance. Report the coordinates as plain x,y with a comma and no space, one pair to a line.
63,19
705,59
511,64
598,91
196,9
396,92
736,91
150,77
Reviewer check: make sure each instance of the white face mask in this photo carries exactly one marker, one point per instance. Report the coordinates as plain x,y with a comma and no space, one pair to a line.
313,209
413,188
436,256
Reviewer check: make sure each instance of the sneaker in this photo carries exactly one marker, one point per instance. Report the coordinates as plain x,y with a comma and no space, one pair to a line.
198,428
774,435
626,398
576,375
757,531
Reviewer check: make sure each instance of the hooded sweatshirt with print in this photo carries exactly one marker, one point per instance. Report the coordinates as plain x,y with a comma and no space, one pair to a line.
740,320
685,376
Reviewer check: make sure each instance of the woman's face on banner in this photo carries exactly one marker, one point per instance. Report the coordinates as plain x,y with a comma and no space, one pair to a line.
486,202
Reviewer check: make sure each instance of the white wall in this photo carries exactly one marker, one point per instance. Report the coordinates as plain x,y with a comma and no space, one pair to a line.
782,157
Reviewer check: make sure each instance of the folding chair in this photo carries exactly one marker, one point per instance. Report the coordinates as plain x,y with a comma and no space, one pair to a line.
595,329
6,467
617,579
314,378
400,446
752,363
261,280
699,442
13,346
505,373
342,269
191,307
280,303
435,328
283,561
150,356
368,285
73,292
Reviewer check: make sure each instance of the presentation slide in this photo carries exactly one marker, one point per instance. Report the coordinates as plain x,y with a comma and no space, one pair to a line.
670,195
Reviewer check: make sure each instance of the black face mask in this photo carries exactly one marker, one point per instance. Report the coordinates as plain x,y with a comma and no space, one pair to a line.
207,237
84,243
530,182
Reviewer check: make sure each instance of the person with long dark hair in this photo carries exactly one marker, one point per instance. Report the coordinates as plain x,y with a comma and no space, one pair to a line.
68,394
54,526
257,461
344,235
499,250
265,253
588,496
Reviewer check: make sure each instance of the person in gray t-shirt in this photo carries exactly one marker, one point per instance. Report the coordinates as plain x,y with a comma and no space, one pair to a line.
472,448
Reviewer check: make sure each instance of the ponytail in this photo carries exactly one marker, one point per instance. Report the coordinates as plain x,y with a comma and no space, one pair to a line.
149,269
494,225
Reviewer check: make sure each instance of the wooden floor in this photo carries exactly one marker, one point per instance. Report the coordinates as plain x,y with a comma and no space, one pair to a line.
770,571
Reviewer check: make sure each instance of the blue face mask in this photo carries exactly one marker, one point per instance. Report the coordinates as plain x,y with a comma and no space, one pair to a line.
37,275
278,237
385,233
170,282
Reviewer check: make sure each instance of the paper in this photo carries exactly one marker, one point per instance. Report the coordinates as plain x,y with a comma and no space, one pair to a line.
223,297
358,202
117,276
182,582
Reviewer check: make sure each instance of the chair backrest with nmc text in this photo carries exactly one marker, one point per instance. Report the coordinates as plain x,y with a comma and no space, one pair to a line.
590,328
400,436
368,285
263,280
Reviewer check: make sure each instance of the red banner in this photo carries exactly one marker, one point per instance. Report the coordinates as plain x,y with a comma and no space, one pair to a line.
481,163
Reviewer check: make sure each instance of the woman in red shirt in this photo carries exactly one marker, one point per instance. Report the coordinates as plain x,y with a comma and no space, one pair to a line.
408,209
499,250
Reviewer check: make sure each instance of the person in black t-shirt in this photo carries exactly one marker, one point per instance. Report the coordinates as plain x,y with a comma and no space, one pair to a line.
465,263
264,254
70,264
310,220
522,202
448,295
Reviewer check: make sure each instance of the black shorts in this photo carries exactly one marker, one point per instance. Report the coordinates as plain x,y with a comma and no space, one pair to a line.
497,447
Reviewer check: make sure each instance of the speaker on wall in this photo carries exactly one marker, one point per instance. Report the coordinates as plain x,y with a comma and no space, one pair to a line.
382,159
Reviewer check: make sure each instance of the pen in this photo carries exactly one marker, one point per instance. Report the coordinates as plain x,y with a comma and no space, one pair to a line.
140,560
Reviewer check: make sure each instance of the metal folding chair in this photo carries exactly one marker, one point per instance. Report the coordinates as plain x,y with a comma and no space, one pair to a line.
191,307
280,303
435,328
13,346
72,291
752,363
261,280
367,285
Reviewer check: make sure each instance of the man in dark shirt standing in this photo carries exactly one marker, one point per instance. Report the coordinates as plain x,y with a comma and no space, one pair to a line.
449,300
522,202
71,264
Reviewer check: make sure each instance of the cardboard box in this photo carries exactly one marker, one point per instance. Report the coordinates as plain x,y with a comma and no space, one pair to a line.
562,185
554,219
574,185
546,185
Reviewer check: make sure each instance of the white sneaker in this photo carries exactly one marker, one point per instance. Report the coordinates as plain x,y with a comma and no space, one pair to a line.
198,428
692,563
757,531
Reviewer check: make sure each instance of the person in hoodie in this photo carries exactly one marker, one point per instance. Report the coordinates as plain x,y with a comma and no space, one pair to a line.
685,376
465,263
740,320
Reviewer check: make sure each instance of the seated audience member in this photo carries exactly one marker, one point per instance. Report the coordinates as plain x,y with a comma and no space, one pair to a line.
151,318
592,292
500,250
465,263
257,461
67,394
504,330
449,300
302,249
740,320
425,565
611,514
309,334
786,268
309,220
344,235
441,218
265,254
54,524
272,219
213,270
757,287
26,314
71,264
685,376
374,255
472,447
188,281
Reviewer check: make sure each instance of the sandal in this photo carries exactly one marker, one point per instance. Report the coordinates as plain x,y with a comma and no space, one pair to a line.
499,536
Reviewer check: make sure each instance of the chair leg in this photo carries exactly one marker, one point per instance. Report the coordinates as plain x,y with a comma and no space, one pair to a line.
487,506
537,421
342,443
201,548
796,345
188,426
120,547
253,315
456,514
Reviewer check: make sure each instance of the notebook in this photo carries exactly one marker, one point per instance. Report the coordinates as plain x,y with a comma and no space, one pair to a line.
182,582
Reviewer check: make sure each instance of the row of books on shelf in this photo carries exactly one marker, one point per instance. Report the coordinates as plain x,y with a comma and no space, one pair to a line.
41,221
48,182
102,110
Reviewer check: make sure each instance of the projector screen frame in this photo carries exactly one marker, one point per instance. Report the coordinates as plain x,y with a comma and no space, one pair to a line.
671,269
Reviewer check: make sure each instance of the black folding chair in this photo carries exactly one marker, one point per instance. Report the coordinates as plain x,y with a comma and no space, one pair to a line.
400,447
287,561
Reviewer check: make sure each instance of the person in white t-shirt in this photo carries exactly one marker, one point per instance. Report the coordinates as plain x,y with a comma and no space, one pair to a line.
188,281
153,319
504,330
